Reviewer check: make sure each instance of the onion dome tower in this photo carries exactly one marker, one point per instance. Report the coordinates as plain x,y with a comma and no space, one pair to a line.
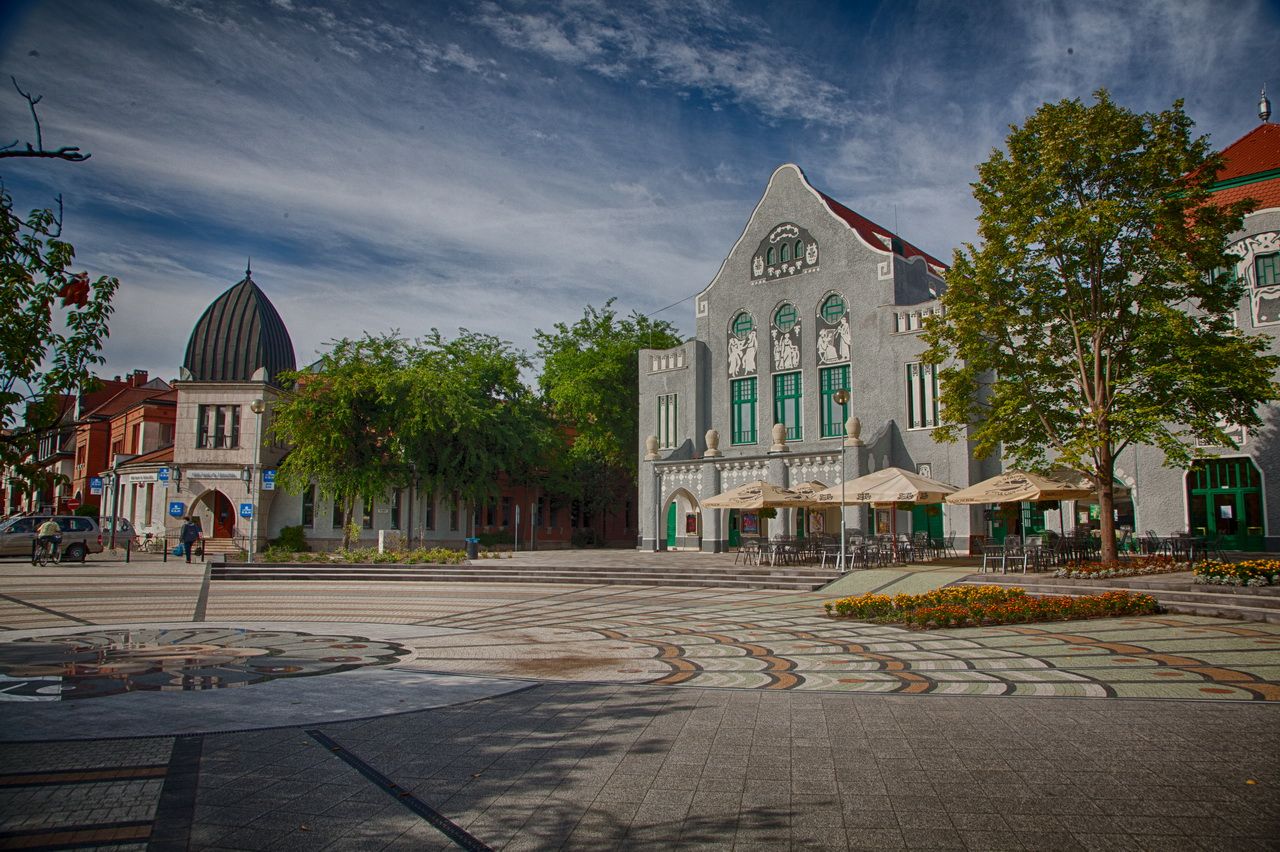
239,338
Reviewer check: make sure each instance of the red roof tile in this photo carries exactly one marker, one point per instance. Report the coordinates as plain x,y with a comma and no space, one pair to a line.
164,454
126,399
1266,192
874,234
1256,151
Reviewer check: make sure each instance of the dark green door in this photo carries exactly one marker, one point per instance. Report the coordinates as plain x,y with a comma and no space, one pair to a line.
1224,498
735,534
927,518
671,524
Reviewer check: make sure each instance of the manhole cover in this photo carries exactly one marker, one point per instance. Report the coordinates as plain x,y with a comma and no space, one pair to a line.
108,662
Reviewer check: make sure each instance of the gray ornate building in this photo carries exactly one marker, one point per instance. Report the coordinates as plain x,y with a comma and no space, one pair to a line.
813,298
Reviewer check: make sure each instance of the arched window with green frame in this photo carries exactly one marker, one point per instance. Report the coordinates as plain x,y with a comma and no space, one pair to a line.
832,308
799,252
743,324
785,318
784,253
770,257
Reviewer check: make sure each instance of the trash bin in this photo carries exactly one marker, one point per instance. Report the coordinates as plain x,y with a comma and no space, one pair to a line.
473,548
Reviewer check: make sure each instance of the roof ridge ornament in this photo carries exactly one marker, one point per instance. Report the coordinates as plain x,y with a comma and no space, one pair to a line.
1264,105
248,267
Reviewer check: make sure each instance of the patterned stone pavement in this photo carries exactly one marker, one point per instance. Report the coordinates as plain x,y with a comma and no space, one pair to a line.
625,724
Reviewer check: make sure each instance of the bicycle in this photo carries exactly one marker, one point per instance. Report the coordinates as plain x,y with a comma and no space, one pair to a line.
47,552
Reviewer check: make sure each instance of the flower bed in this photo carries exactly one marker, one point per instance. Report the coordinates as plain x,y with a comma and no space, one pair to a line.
971,606
1252,572
1139,566
368,555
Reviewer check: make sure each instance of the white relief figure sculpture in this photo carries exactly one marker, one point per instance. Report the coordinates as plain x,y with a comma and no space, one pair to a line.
736,345
834,343
757,266
811,254
786,355
749,353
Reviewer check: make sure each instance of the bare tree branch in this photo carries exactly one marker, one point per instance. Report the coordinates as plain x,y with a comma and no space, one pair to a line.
66,152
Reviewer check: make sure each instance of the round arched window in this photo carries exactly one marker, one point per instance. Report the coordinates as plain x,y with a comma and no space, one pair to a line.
833,308
769,256
742,324
799,249
784,254
785,318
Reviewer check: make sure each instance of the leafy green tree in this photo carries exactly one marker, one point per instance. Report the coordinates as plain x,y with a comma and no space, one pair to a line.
1091,317
340,419
384,412
591,381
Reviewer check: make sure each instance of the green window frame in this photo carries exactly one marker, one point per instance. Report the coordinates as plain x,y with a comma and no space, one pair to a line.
785,318
668,409
832,308
367,518
742,324
742,392
922,396
787,395
799,253
784,253
770,257
1267,269
830,380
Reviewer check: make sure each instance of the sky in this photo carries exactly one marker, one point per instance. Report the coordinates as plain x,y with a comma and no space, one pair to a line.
500,165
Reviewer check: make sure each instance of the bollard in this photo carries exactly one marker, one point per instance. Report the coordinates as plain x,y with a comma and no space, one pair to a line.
165,549
473,548
128,549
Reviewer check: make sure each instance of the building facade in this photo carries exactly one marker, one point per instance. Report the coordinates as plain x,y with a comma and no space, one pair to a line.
814,298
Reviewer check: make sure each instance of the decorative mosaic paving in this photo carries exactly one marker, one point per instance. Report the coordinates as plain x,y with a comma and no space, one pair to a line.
91,664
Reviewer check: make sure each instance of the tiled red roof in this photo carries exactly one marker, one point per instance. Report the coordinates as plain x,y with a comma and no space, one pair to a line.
1256,151
874,234
1267,194
125,400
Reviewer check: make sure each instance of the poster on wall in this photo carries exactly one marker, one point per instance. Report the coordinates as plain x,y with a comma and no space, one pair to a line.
817,522
750,523
691,523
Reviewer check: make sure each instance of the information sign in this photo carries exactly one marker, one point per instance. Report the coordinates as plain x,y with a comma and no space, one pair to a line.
163,475
95,485
246,510
269,480
177,508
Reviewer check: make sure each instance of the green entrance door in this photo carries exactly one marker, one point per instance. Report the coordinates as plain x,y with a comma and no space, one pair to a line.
1224,498
671,524
735,533
927,518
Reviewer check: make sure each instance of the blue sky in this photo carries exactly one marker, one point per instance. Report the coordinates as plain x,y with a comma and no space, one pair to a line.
499,165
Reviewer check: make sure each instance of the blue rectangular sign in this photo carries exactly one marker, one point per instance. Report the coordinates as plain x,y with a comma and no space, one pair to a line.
269,480
246,510
177,508
95,485
163,475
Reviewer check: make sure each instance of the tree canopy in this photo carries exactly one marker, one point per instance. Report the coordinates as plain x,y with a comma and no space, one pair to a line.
1095,313
382,412
591,381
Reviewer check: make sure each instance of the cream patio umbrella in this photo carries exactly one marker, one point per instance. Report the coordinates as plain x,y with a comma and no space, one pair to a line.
888,486
756,495
1018,486
1075,477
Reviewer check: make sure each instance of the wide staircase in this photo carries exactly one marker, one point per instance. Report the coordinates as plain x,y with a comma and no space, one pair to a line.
580,567
220,547
1175,592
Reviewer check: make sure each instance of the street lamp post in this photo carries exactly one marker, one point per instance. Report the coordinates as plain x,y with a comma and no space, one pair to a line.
841,398
257,407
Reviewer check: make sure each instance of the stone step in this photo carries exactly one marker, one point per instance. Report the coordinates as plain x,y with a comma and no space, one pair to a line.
642,577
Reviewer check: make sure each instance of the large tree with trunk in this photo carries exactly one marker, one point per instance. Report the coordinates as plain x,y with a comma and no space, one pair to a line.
1097,311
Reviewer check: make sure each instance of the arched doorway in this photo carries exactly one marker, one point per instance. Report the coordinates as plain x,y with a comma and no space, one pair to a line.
1224,498
218,516
684,523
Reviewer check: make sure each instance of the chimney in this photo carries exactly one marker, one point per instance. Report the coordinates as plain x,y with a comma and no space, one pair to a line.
138,378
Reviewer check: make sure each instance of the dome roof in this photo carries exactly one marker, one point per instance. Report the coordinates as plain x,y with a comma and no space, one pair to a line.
239,333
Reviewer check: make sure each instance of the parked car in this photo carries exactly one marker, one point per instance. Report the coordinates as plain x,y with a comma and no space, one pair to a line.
124,531
80,536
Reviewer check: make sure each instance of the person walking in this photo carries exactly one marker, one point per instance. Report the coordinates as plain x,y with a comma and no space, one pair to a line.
190,535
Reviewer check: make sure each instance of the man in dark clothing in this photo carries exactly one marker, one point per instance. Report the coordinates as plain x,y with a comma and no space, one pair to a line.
190,535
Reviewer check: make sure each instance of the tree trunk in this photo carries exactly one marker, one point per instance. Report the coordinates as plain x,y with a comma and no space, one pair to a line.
348,510
1106,502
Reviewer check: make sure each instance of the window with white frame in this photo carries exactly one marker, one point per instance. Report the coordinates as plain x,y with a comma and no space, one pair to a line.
667,411
922,396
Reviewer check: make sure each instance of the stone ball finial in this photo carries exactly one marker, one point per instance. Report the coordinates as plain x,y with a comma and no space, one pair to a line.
853,431
779,434
651,448
713,444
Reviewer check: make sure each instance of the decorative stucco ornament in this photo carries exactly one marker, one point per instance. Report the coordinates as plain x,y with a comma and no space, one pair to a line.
853,431
713,444
651,448
779,433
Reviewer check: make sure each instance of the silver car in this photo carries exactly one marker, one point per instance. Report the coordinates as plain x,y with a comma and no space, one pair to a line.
80,536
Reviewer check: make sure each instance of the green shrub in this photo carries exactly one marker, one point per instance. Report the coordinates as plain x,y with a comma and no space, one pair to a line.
489,539
292,538
585,537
